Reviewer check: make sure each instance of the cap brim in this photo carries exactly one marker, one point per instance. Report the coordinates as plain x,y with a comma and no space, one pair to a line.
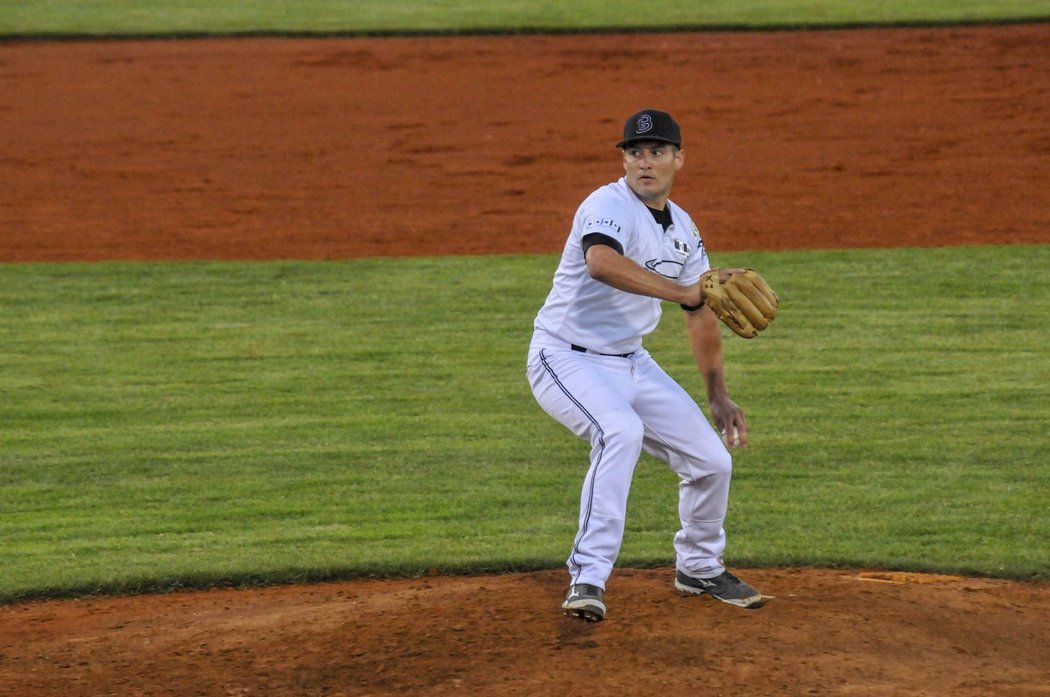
640,139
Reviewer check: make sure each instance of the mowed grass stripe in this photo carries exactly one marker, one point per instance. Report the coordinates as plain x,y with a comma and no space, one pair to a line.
138,17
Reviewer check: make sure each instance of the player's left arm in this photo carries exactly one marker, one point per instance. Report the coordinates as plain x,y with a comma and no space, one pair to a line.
611,267
705,340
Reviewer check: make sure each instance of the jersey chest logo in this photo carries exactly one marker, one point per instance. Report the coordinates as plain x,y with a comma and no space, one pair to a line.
665,267
671,268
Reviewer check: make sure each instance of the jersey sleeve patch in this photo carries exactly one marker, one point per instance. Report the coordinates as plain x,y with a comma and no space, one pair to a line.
603,224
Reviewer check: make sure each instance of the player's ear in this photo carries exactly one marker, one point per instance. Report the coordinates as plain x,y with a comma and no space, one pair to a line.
679,158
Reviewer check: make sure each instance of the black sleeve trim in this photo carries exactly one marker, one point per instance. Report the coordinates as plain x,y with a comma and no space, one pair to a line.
594,238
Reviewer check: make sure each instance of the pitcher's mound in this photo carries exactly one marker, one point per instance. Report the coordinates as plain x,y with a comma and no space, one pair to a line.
826,633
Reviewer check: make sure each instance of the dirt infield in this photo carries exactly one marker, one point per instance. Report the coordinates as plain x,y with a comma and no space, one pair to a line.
265,149
826,633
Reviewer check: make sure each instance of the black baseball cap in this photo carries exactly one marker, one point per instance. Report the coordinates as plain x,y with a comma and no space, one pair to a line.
651,124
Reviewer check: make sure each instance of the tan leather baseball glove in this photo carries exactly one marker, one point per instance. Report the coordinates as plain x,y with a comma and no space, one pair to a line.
740,298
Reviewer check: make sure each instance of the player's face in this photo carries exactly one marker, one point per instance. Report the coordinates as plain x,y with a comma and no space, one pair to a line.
650,167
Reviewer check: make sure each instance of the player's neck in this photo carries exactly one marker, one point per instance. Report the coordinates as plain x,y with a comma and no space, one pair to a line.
657,203
661,216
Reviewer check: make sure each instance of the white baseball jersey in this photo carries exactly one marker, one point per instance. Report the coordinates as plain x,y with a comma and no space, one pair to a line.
580,310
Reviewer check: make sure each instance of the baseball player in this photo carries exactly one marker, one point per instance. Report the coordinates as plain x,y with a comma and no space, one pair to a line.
630,248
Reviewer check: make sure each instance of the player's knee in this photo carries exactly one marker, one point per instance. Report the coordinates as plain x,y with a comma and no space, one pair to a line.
623,427
717,464
721,463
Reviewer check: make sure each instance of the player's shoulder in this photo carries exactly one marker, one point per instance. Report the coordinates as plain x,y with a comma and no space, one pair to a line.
607,212
613,196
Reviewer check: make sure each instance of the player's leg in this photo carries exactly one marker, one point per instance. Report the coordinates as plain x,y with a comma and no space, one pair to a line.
677,432
591,396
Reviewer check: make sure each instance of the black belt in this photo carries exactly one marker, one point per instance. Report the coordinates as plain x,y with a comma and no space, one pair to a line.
616,355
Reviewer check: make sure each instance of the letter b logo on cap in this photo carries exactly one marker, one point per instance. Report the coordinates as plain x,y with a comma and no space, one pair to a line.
645,124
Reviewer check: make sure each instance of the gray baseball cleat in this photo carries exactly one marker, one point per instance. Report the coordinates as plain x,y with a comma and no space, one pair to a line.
726,587
585,602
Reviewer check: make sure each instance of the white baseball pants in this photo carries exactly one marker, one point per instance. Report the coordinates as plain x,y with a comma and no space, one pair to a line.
622,406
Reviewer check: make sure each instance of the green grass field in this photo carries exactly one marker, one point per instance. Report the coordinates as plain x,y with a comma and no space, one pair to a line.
115,17
186,424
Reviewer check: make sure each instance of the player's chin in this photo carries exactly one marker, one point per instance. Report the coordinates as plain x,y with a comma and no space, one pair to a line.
647,188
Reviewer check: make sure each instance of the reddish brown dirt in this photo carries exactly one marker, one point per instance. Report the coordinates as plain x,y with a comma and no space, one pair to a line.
826,633
340,148
262,149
